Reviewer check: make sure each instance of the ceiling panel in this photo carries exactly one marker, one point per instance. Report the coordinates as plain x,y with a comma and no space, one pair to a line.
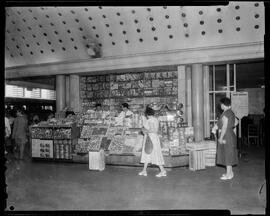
36,35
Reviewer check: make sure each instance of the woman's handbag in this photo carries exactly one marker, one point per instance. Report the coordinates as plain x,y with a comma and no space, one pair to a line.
148,147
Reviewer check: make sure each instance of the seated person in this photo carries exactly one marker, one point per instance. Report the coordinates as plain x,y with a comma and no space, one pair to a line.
98,111
124,116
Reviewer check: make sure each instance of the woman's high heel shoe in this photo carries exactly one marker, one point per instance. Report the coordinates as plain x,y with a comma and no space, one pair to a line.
225,177
161,174
143,173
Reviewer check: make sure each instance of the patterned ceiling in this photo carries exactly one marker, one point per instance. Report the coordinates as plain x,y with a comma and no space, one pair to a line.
36,35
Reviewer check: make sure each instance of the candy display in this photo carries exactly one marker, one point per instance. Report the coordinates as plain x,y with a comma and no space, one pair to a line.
117,145
86,131
174,150
41,133
62,149
62,133
94,143
105,143
99,131
42,148
82,146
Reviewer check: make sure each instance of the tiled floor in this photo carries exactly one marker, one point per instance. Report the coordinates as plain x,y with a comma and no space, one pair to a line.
62,186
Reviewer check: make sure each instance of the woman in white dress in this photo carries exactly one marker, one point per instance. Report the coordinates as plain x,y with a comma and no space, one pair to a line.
150,128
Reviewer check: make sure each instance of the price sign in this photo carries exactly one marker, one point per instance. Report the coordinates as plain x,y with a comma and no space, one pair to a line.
240,103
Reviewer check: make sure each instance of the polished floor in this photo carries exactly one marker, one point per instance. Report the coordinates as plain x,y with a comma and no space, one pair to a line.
68,186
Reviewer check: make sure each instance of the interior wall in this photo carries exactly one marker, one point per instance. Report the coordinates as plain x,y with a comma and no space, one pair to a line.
256,100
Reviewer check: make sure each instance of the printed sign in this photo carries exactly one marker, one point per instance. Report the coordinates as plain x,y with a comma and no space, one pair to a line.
240,103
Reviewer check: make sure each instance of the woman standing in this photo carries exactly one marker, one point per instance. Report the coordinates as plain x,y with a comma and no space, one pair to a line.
154,155
20,131
227,143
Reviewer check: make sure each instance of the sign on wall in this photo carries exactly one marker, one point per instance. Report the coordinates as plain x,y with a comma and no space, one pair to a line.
239,102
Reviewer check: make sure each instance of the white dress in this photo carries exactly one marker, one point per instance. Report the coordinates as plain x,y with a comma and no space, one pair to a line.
155,157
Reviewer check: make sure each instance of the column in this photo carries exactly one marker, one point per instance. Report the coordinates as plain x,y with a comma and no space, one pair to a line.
74,93
182,88
67,91
60,92
188,96
197,101
206,101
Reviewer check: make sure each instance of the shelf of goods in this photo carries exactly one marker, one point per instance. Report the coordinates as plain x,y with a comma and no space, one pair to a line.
53,142
138,89
123,146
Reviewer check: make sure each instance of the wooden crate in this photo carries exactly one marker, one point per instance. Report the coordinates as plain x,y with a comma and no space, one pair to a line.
97,160
197,160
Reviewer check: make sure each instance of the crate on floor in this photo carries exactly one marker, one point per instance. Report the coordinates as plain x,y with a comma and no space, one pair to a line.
197,160
97,160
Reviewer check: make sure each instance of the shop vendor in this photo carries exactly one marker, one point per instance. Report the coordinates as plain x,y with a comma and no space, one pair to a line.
125,117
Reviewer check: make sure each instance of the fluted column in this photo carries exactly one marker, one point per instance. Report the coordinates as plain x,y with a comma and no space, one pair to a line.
74,93
197,101
60,92
67,91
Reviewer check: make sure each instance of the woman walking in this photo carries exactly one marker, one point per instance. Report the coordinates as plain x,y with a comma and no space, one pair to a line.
151,151
227,141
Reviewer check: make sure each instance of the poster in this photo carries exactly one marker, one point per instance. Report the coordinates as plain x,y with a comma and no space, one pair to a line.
240,104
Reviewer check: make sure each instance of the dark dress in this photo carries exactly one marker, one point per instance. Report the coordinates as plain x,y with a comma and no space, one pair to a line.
227,153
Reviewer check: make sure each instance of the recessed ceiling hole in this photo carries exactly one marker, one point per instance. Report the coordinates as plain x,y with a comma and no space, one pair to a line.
133,11
121,23
81,29
18,12
23,37
203,32
138,30
41,51
136,21
113,43
219,20
31,53
47,16
72,39
169,26
118,14
155,38
100,44
183,15
60,41
100,7
185,25
84,37
34,36
49,42
24,20
97,35
59,14
104,16
141,40
218,9
257,16
126,41
11,55
87,45
237,18
151,18
63,48
124,32
167,16
220,31
153,29
201,12
13,22
30,10
18,29
149,9
186,35
201,22
110,34
68,31
52,50
72,11
17,46
51,24
8,31
85,9
27,45
21,54
170,36
164,7
34,18
256,26
56,32
45,34
75,47
107,25
64,22
76,20
256,4
94,27
90,18
29,28
238,29
40,26
38,43
13,39
237,7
